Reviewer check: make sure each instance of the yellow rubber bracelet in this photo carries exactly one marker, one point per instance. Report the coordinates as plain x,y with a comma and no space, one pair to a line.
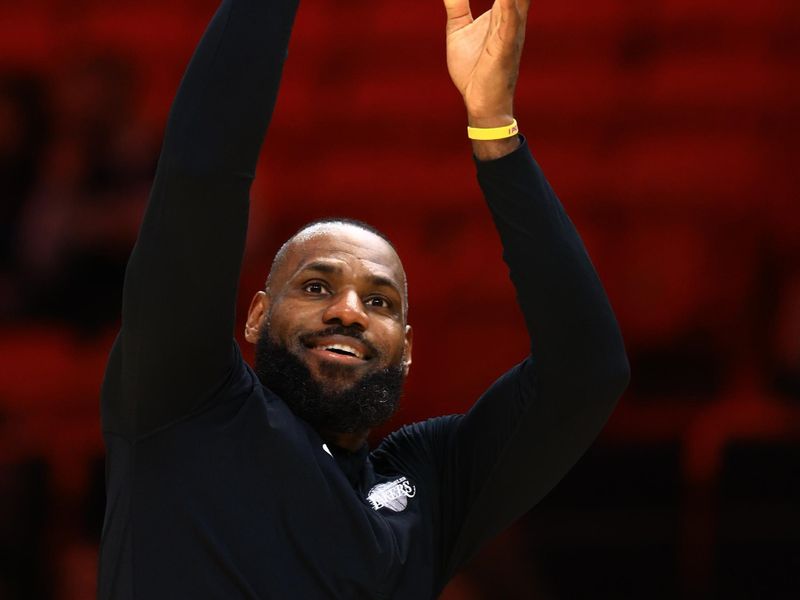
493,133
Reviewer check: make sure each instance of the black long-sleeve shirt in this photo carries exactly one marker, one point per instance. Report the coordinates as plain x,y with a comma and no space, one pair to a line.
215,489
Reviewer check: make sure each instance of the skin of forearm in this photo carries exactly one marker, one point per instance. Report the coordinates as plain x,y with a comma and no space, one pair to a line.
494,149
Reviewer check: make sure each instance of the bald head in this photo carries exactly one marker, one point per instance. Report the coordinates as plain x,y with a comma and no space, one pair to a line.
338,245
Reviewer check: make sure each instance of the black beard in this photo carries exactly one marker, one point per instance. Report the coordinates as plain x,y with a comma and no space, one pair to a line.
366,403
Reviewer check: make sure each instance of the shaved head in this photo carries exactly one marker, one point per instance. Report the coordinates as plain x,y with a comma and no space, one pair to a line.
293,248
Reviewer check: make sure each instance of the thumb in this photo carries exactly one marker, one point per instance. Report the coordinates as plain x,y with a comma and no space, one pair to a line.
458,14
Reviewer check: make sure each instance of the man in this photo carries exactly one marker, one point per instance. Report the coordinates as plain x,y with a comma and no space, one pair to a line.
231,482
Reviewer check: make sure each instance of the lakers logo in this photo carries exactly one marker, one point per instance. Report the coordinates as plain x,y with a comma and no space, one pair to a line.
393,495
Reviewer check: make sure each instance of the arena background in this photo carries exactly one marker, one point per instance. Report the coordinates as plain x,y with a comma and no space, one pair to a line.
669,129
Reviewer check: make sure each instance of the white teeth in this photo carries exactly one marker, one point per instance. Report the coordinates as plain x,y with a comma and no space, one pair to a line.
344,348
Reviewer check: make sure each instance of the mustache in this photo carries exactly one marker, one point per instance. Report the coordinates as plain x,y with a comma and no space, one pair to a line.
343,330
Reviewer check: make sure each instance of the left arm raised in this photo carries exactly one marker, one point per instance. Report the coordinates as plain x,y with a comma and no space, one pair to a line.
531,426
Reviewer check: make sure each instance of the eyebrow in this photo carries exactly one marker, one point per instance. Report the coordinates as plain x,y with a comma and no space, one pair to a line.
332,269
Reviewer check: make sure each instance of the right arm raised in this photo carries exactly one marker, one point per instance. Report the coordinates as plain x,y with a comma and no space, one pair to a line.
175,347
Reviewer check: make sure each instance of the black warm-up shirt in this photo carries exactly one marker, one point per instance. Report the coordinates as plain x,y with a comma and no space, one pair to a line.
215,489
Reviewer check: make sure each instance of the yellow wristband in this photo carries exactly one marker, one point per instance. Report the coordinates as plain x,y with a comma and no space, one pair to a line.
493,133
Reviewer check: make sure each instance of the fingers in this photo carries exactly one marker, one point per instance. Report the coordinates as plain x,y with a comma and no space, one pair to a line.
518,8
512,18
456,8
458,14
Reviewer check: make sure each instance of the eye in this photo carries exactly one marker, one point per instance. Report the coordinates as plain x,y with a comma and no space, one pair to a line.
377,302
315,287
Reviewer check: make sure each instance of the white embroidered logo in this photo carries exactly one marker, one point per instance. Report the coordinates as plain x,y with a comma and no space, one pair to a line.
393,495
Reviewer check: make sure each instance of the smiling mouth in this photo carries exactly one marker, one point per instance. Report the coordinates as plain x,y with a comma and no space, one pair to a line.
341,349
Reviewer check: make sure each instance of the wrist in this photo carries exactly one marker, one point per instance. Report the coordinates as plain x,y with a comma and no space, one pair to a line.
486,121
492,149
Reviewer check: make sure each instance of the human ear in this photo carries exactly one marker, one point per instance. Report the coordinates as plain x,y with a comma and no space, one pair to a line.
255,316
407,349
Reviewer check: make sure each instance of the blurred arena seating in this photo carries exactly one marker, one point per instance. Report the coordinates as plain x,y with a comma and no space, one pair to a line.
667,127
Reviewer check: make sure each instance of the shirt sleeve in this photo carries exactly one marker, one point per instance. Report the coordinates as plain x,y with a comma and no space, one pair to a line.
530,426
175,347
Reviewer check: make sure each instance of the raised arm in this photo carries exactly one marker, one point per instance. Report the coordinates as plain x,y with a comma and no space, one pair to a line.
531,426
175,348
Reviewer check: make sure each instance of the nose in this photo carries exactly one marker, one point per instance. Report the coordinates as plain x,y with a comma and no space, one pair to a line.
346,309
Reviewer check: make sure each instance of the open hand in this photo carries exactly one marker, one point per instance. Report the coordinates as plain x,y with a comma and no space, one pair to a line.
483,57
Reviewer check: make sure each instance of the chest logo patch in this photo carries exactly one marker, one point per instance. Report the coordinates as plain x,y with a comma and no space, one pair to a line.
393,495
